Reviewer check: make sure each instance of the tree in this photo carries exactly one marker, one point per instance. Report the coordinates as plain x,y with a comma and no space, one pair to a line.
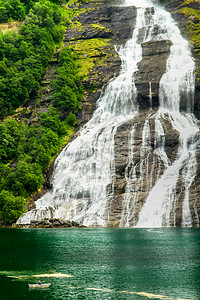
7,145
43,158
71,119
27,178
11,9
11,208
51,120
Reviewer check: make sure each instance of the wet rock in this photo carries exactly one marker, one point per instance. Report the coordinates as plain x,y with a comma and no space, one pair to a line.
117,23
50,223
150,70
137,171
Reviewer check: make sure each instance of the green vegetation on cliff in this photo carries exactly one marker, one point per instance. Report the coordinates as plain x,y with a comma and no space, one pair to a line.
11,207
25,55
67,94
26,151
194,22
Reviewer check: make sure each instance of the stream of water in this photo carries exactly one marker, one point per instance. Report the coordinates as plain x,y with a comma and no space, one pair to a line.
84,175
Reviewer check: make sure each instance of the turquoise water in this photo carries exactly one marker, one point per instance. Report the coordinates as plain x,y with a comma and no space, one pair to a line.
104,263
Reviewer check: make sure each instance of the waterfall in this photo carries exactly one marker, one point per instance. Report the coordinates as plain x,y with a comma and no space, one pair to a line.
176,83
84,176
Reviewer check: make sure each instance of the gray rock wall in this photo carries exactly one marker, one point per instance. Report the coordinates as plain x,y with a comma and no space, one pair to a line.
118,25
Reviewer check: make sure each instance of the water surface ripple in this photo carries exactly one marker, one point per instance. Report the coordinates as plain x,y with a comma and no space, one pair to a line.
101,263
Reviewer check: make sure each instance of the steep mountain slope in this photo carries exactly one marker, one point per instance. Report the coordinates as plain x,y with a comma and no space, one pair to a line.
147,146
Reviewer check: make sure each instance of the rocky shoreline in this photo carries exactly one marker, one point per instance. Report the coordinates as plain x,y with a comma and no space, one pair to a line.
49,223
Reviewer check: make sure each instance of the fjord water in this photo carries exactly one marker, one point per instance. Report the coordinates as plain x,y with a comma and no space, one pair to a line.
84,174
105,263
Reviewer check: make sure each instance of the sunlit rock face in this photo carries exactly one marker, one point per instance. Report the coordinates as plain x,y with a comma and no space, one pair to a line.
136,161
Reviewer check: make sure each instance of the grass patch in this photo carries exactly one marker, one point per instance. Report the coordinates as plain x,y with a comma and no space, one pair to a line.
90,53
194,23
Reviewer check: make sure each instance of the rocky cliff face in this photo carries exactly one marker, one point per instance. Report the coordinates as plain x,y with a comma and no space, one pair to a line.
95,31
118,24
93,35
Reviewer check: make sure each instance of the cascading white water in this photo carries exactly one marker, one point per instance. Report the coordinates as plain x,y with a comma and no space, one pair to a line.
176,82
84,172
